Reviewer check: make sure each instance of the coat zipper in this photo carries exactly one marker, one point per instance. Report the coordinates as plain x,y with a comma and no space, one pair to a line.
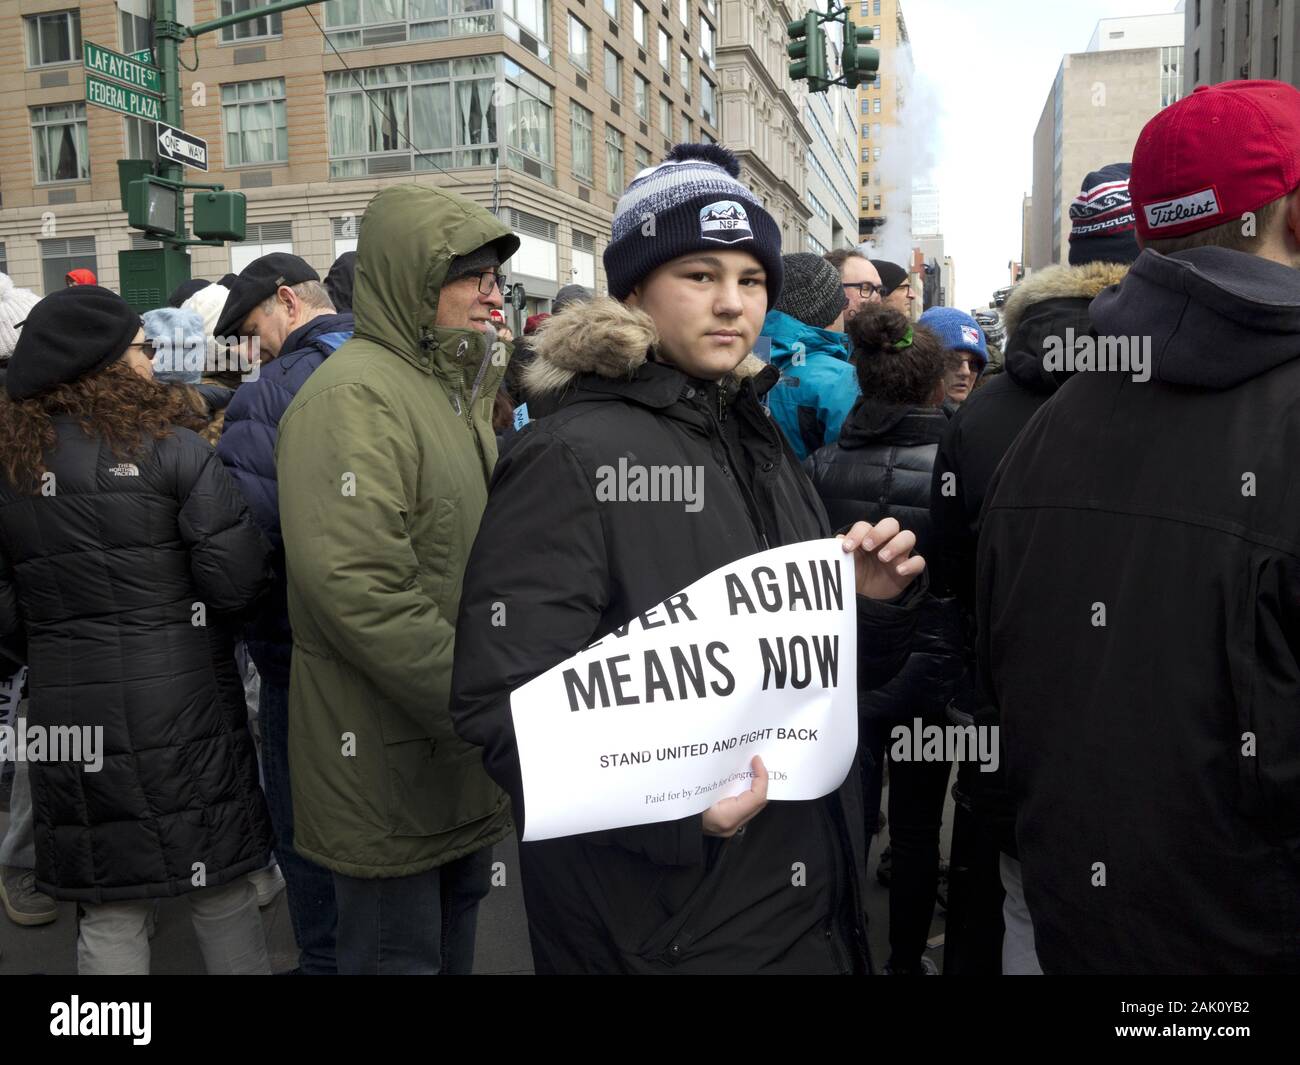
751,504
463,410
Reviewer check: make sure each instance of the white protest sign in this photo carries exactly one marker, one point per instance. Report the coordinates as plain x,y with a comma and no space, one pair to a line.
661,718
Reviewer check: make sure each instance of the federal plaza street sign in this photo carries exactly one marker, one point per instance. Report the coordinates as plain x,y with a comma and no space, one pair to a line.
131,72
119,98
181,147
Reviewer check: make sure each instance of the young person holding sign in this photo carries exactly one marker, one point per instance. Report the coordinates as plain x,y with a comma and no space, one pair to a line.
658,384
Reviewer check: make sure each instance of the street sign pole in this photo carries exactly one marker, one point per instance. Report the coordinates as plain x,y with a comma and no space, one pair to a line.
168,37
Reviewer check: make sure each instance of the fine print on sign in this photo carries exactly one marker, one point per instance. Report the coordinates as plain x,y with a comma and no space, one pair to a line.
662,718
119,98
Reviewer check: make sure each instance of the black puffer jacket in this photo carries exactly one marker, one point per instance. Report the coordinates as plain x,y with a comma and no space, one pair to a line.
117,589
1157,744
662,897
879,468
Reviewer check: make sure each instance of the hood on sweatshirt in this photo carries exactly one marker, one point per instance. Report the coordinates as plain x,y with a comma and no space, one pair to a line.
1215,317
1041,309
901,425
785,331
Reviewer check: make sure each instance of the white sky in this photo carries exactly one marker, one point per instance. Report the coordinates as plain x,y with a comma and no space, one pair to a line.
990,65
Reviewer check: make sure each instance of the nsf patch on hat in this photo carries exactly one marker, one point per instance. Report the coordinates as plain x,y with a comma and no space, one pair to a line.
725,222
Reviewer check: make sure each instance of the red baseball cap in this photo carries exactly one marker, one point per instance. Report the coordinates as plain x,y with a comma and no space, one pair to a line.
1214,155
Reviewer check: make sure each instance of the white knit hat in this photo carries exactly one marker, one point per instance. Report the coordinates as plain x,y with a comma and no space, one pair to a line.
208,302
15,305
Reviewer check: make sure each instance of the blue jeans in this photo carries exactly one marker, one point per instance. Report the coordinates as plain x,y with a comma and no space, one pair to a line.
413,925
309,887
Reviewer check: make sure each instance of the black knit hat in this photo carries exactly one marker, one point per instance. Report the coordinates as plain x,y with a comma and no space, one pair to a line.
71,333
891,275
259,280
812,291
1103,226
693,201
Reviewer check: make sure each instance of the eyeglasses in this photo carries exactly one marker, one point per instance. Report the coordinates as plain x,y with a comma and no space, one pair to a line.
147,346
489,278
865,288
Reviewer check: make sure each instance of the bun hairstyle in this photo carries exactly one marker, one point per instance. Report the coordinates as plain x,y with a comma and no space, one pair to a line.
898,362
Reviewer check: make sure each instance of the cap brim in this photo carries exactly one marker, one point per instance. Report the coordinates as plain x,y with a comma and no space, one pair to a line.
238,305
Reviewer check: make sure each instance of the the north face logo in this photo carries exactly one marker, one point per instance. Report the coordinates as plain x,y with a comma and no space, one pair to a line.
725,222
125,469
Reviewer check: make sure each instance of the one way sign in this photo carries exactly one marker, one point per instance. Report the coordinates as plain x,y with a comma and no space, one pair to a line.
181,147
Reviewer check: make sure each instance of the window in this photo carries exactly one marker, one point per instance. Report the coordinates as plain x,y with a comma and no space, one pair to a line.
818,209
875,203
59,143
579,44
686,129
866,130
261,238
875,155
863,11
706,44
266,26
866,155
539,248
708,101
361,23
642,157
684,69
875,106
64,254
638,24
665,50
54,38
582,126
875,7
584,259
141,140
253,117
528,22
135,32
666,116
684,13
611,9
866,179
345,233
614,182
642,88
706,137
866,106
420,116
527,115
613,74
1171,77
816,246
1275,55
4,259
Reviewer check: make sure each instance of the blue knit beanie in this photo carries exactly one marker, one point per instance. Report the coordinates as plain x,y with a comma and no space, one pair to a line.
957,329
690,202
180,344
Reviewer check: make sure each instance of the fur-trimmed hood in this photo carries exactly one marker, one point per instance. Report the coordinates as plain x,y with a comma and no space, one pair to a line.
603,337
1060,282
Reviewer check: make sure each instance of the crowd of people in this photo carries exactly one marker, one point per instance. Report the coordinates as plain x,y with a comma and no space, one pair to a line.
297,601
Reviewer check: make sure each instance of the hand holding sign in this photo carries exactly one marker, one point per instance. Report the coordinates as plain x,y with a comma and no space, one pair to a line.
883,564
726,817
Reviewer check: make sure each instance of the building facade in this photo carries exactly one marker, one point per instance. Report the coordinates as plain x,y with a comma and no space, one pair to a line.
1098,104
541,110
1231,39
884,169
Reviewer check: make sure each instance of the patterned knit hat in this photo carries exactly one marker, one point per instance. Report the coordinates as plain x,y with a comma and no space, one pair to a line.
15,305
1103,226
690,202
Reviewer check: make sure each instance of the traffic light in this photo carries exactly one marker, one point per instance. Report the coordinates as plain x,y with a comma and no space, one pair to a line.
151,206
807,48
859,64
219,215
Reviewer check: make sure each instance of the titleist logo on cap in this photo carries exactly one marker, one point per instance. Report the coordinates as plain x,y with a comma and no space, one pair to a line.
1182,209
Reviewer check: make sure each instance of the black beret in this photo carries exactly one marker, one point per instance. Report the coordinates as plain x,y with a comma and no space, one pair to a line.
258,280
69,334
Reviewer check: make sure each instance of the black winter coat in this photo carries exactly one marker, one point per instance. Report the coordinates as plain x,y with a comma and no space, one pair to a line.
1041,310
1158,744
118,589
880,467
662,897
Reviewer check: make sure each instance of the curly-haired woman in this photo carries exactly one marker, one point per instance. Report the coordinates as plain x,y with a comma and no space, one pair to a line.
125,554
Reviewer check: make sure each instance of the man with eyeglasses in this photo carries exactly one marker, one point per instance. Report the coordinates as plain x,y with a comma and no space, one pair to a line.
385,455
860,279
896,287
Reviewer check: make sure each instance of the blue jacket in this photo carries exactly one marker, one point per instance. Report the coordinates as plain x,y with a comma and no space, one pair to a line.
815,393
247,447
